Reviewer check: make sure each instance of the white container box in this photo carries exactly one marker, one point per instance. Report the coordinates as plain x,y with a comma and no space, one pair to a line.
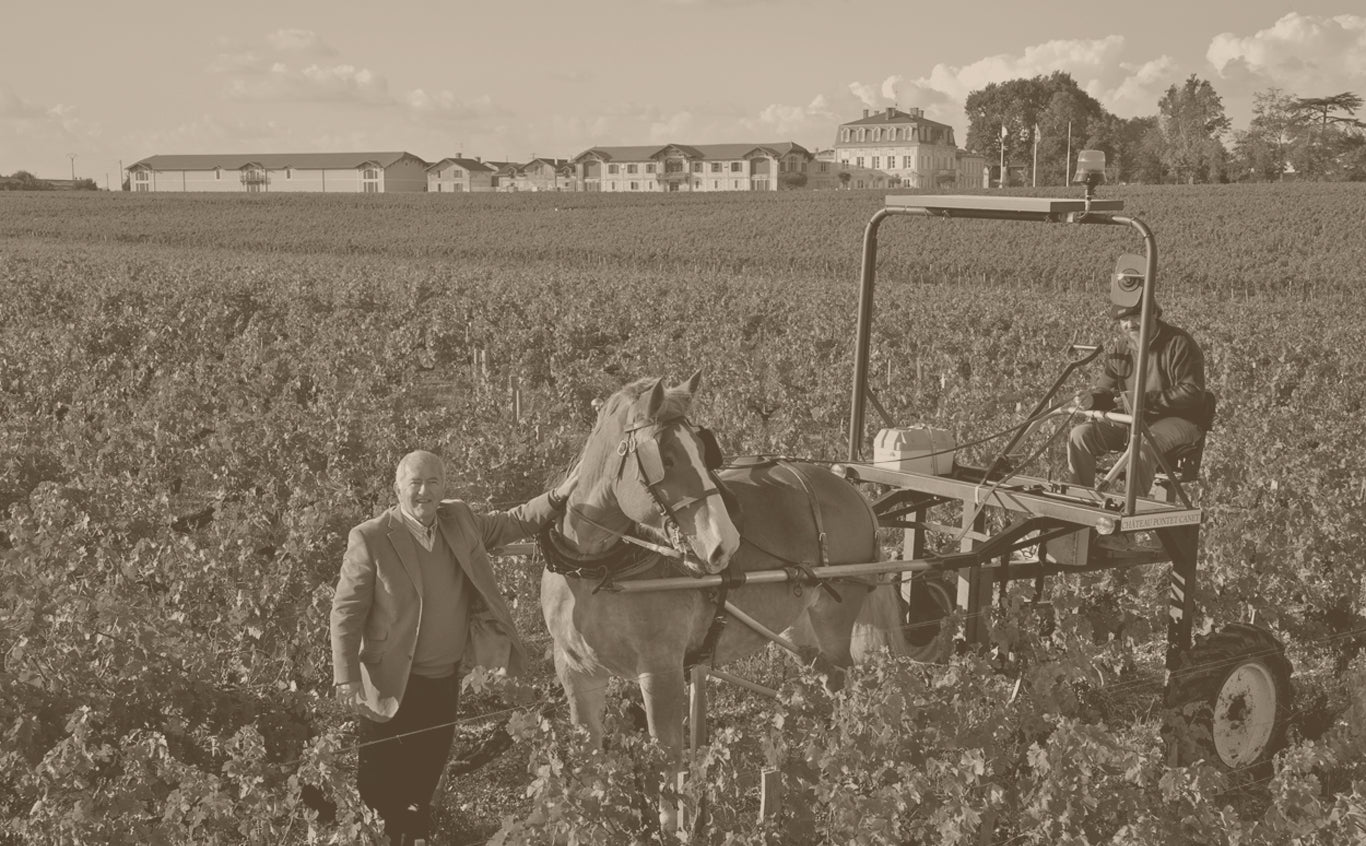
916,449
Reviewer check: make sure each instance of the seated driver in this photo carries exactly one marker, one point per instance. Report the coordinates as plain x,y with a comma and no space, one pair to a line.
1174,398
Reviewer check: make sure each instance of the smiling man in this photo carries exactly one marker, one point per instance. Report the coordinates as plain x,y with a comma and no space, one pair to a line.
416,588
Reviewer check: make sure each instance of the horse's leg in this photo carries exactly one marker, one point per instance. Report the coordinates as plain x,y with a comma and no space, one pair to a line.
832,622
587,695
666,701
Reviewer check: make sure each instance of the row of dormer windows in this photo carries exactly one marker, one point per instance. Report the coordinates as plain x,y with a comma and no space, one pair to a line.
863,134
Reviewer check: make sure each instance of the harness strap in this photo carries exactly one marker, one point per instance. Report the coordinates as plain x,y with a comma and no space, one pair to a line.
620,561
704,653
822,557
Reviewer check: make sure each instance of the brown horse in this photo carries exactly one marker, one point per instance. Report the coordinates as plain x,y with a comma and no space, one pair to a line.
645,471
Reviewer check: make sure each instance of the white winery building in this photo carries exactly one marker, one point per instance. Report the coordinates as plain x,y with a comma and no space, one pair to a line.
333,173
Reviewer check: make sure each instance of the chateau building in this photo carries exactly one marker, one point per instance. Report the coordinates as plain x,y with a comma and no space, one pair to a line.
912,150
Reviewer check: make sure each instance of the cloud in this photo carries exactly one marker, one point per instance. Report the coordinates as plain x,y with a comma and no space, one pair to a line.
1309,55
1098,65
286,68
300,41
446,104
314,83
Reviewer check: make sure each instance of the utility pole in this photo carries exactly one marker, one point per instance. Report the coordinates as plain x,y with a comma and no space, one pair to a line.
72,156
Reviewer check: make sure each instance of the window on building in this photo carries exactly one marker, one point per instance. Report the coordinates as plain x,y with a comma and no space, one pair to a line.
370,173
635,186
716,183
860,183
611,168
289,173
715,167
696,167
650,168
908,162
735,183
825,167
673,166
859,161
630,168
737,167
370,188
218,173
877,162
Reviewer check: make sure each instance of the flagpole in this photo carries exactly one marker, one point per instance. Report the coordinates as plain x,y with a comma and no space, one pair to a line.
1069,154
1002,181
1034,172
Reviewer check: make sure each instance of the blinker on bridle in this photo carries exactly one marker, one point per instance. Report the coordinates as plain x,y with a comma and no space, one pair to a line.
642,440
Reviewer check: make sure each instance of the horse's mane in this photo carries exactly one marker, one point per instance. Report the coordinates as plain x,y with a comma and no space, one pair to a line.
611,426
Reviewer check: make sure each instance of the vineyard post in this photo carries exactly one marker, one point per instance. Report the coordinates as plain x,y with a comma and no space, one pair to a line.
697,734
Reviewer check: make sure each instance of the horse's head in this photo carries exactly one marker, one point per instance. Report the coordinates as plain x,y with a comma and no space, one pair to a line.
646,456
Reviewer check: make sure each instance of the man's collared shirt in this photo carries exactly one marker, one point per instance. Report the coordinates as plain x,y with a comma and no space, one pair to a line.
424,535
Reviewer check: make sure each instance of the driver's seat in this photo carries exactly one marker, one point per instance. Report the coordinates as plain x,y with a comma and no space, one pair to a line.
1185,460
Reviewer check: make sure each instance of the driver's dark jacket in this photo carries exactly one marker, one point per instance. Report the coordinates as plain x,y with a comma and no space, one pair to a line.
1175,383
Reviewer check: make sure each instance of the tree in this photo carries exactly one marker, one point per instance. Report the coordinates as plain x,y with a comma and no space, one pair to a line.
1192,122
22,180
1334,133
1266,147
1049,102
1133,148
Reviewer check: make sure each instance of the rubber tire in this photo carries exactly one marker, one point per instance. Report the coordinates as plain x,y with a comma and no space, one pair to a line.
1237,656
934,600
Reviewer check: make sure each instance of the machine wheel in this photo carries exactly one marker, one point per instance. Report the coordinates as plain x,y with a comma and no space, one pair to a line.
1231,694
932,600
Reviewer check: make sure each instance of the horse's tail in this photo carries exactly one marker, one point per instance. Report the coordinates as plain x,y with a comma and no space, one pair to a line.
879,627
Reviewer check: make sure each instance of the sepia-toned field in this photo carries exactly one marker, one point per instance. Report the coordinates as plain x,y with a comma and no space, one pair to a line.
199,396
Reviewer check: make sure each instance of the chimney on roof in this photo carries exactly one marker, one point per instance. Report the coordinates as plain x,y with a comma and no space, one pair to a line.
890,111
478,159
915,113
865,113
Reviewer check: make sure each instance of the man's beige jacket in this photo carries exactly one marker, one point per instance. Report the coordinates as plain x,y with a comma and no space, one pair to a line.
377,608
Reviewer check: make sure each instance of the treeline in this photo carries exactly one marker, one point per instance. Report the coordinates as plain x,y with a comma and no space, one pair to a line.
1190,139
22,180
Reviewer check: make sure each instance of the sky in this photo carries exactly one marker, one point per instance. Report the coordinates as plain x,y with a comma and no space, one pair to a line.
89,86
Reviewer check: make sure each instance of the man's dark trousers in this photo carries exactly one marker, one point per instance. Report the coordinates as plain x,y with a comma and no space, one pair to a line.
401,761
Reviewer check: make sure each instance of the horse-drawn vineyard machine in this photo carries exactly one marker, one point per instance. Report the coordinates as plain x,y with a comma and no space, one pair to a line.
1004,527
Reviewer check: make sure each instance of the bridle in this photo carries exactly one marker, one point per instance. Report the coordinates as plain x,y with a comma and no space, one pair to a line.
641,440
639,448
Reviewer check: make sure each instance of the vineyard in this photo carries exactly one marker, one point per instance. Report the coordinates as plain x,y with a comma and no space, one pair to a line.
199,396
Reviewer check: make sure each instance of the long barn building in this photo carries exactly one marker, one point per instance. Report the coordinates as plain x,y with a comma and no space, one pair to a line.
344,173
